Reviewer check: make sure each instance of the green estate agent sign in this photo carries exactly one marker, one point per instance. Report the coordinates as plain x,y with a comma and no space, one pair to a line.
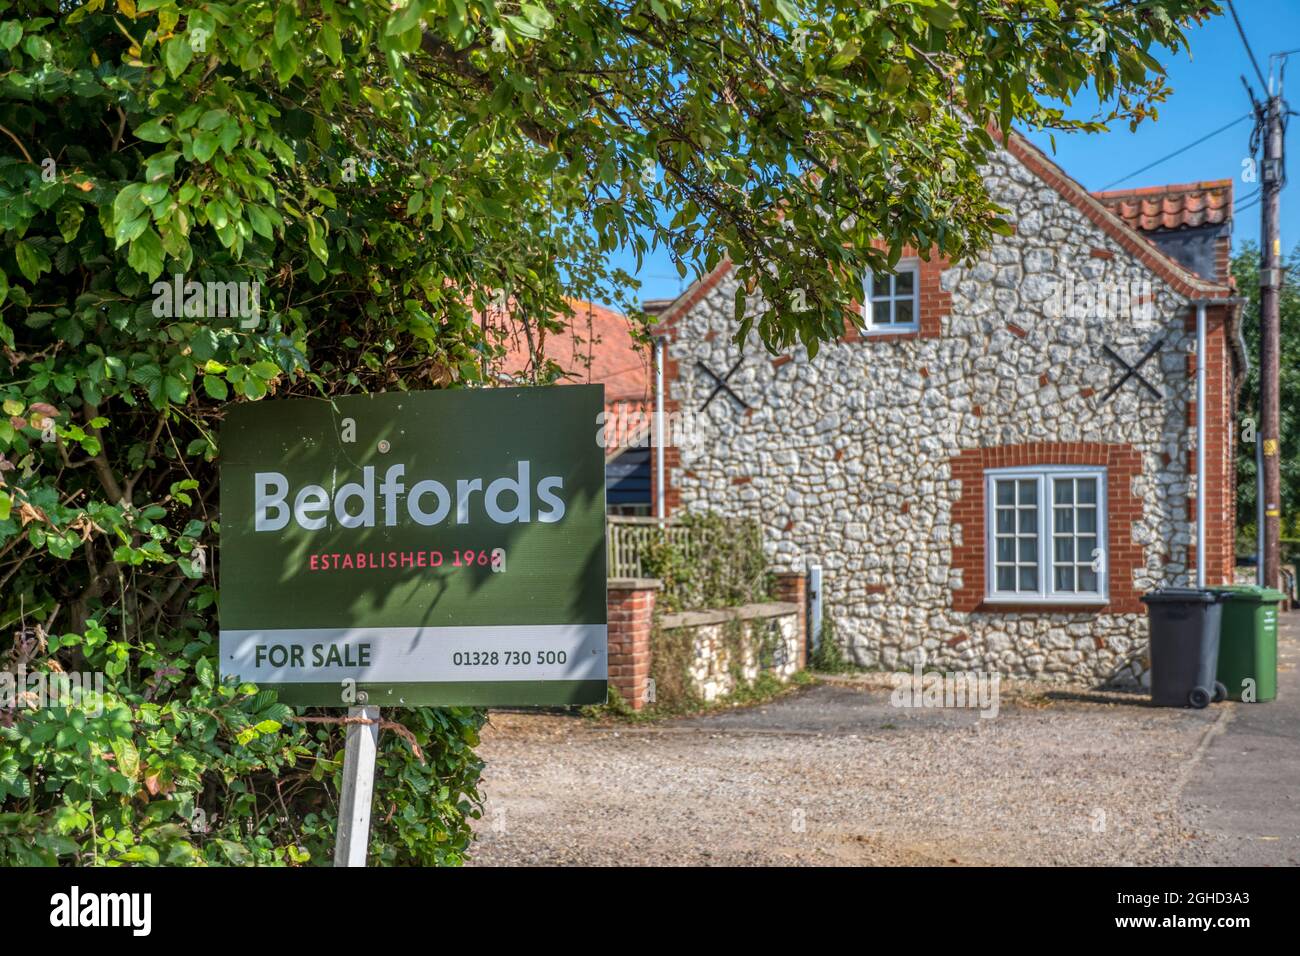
429,548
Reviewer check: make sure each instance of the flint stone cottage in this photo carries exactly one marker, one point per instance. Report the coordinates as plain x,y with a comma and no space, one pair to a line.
989,474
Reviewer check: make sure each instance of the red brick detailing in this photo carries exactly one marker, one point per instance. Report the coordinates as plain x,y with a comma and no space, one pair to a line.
1223,259
782,360
746,479
689,299
905,507
1220,449
631,608
1101,253
839,454
953,642
792,586
1016,330
1122,463
934,303
925,372
789,525
977,411
1086,392
710,335
1098,641
1042,380
875,588
672,454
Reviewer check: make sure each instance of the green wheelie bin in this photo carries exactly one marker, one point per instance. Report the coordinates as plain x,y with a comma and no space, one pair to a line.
1248,642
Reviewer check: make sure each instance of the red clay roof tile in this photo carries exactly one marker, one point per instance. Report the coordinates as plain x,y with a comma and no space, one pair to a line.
1160,208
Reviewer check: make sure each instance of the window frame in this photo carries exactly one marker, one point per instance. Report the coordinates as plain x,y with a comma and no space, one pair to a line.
869,327
1046,593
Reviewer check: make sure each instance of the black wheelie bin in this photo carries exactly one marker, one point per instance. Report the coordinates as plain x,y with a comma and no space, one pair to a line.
1184,627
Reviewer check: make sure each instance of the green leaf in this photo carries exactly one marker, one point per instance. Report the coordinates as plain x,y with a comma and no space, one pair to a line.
68,217
32,260
330,43
127,204
846,54
205,146
286,22
405,18
128,229
317,243
178,52
154,131
11,31
127,756
38,48
161,166
215,387
260,221
147,254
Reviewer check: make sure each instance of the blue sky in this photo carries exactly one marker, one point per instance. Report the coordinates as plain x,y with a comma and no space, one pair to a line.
1207,94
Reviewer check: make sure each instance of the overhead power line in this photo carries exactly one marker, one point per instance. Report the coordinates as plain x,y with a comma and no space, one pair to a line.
1181,149
1246,43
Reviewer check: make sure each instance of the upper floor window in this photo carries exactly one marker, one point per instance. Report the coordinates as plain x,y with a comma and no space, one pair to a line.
891,302
1046,534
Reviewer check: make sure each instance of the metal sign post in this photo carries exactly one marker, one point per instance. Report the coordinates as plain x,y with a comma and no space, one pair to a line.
358,788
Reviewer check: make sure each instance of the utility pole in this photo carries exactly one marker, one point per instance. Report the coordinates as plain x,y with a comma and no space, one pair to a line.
1270,280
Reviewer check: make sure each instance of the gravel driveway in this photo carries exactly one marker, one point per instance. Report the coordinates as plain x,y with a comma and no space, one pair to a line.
833,774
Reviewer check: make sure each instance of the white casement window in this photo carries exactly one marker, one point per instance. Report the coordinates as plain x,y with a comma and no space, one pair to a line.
1046,535
891,303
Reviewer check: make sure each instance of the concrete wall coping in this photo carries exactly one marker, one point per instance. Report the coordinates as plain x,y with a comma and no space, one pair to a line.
744,612
633,584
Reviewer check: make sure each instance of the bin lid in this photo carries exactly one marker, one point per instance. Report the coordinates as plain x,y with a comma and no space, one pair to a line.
1182,596
1251,592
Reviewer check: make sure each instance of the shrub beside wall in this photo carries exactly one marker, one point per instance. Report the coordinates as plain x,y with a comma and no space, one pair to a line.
721,565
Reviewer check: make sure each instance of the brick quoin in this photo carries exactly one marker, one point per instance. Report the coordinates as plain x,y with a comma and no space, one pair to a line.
631,609
1122,463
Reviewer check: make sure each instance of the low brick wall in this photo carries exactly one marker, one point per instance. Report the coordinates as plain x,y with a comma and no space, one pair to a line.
735,645
726,645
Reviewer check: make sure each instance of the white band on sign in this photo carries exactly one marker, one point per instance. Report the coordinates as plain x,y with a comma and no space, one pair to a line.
394,654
